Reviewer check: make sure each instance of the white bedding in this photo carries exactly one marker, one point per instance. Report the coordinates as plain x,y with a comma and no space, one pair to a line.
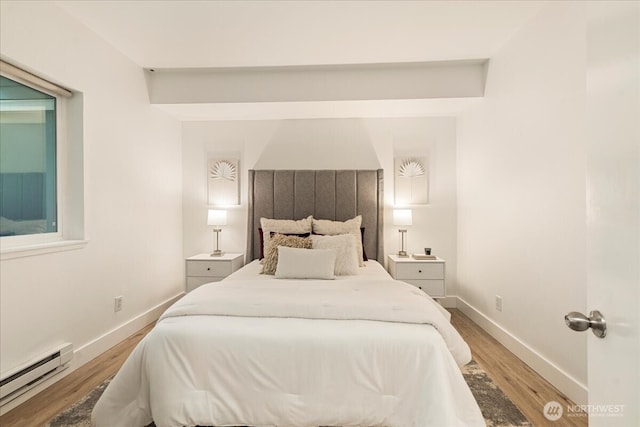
259,351
372,270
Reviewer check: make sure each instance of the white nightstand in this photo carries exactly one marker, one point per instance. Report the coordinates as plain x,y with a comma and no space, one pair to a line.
204,268
427,275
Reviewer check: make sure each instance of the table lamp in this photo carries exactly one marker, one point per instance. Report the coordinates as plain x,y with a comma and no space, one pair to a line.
402,217
217,217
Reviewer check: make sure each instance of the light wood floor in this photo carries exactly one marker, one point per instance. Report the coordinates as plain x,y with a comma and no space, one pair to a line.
524,387
528,390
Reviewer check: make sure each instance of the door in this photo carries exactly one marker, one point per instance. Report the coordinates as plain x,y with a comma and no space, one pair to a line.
613,215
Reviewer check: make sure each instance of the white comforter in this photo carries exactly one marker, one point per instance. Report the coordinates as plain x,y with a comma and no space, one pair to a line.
295,353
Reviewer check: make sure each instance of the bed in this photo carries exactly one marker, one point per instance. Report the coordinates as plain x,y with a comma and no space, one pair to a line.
289,350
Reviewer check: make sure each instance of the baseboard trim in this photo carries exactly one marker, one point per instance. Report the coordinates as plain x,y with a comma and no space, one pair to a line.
448,301
95,348
572,388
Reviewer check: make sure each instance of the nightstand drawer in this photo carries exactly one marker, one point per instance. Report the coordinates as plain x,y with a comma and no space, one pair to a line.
203,268
428,275
419,271
434,288
209,268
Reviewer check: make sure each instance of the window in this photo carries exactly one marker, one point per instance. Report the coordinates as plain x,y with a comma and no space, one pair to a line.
32,148
27,160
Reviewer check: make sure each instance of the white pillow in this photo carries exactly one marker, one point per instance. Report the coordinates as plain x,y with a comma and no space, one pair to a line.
344,246
283,226
351,226
294,263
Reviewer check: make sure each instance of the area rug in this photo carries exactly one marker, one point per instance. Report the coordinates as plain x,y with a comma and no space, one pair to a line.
498,410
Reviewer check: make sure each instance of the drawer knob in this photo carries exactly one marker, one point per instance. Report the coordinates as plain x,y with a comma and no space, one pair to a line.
419,271
208,268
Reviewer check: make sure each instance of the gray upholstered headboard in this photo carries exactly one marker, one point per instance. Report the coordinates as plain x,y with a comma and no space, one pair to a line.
326,194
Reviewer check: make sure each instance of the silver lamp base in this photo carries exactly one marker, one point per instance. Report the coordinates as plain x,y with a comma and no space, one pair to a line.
217,251
402,253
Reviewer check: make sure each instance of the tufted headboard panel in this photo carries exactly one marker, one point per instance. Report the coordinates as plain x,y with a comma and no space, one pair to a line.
326,194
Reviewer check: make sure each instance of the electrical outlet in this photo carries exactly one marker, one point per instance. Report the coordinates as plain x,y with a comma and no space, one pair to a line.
498,303
117,304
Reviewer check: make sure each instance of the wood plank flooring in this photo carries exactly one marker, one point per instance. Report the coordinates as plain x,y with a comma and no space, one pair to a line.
528,390
524,387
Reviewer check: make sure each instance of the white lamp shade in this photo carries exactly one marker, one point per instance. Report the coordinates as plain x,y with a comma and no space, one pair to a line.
217,217
402,217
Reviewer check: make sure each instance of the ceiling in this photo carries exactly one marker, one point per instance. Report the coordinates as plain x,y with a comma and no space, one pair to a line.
204,34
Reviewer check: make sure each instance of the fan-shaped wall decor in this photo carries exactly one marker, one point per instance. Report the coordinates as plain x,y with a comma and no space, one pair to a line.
411,168
223,169
411,181
223,183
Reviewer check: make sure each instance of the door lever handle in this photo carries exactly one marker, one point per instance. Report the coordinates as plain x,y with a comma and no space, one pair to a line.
579,322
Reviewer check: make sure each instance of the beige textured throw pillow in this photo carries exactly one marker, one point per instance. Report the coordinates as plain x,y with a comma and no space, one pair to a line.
271,251
351,226
344,245
284,226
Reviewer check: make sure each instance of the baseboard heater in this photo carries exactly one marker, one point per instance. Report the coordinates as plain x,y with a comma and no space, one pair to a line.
19,380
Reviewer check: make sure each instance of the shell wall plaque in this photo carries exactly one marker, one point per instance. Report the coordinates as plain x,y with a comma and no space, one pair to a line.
411,181
223,183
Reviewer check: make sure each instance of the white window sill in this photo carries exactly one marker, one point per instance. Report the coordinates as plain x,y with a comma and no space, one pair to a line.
41,248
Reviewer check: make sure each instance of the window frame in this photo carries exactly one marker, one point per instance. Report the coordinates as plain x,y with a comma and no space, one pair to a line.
35,244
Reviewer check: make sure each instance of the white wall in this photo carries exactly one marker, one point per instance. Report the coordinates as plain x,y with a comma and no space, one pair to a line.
132,184
521,196
326,144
